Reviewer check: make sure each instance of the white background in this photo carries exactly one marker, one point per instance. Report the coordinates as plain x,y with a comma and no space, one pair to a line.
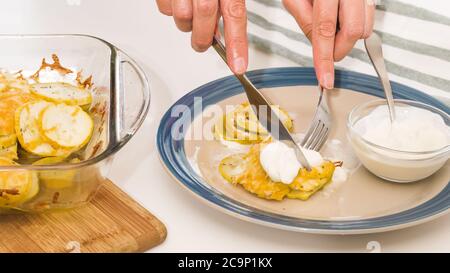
174,69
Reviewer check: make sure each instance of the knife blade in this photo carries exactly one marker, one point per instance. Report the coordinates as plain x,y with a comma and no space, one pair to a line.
265,114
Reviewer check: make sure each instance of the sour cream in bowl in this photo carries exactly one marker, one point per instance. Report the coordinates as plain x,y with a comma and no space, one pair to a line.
413,147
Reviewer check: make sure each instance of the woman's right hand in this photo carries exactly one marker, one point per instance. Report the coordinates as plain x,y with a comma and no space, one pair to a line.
201,17
319,21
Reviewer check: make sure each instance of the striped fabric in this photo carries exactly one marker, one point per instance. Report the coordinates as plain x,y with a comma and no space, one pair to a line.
415,33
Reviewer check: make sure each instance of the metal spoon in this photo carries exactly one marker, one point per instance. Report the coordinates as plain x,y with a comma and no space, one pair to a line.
374,49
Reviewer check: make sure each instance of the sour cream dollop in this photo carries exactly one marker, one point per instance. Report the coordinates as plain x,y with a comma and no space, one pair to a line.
281,164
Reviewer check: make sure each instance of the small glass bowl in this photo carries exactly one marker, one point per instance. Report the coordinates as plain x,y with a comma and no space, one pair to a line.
390,164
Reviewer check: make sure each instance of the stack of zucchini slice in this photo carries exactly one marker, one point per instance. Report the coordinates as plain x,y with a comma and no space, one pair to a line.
241,125
49,122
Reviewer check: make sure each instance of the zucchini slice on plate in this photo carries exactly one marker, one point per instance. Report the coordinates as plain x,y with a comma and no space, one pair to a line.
66,126
231,167
241,125
62,92
246,119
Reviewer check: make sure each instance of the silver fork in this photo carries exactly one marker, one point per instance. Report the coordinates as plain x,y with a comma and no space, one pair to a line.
319,129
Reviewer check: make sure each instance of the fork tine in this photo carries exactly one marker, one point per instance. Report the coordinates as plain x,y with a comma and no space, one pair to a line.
322,140
317,137
313,137
311,132
318,131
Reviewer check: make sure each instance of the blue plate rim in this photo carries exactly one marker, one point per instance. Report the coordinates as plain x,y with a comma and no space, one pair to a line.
172,155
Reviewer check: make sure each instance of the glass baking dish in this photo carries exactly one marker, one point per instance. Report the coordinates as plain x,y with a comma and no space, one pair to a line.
121,99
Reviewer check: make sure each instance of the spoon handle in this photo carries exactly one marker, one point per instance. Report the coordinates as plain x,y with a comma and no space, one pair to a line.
374,49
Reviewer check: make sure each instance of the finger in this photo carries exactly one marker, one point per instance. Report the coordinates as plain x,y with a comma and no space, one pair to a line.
302,11
370,18
204,23
182,14
165,6
235,27
351,20
324,30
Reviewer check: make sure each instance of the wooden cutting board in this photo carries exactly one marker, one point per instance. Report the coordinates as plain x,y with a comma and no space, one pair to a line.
112,222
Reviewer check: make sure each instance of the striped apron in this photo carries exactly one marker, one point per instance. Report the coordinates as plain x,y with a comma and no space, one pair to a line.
415,33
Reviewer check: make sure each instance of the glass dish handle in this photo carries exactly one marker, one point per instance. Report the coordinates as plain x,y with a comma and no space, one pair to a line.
132,101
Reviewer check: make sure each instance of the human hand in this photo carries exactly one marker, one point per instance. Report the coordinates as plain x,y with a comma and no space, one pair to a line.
201,17
318,20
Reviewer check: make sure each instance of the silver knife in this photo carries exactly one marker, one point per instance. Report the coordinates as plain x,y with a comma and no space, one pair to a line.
269,119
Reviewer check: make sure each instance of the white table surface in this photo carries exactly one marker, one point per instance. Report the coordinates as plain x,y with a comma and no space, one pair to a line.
174,69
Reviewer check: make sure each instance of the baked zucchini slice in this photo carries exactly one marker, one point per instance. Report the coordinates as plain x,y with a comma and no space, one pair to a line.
241,125
59,92
10,152
7,141
66,126
28,131
16,186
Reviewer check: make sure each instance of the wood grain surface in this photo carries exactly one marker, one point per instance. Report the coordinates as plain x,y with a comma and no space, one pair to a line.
111,222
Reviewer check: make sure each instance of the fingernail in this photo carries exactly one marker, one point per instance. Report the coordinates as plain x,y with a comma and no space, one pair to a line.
239,65
328,81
